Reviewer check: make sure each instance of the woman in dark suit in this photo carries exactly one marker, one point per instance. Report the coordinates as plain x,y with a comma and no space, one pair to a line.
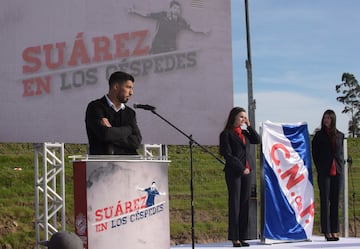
235,142
328,156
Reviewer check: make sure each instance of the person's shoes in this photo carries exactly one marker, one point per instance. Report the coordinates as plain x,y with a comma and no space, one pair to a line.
329,237
335,236
243,243
236,243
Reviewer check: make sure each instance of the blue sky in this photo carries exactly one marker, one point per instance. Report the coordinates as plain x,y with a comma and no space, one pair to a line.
300,49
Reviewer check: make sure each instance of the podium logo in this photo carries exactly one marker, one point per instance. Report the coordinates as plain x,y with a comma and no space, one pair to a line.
124,213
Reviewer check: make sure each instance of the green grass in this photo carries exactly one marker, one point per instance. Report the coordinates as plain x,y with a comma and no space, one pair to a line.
210,196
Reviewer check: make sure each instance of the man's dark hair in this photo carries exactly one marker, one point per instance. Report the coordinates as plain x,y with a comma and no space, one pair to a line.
120,77
174,3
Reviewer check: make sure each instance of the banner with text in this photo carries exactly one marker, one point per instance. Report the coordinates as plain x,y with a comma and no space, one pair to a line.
289,194
56,57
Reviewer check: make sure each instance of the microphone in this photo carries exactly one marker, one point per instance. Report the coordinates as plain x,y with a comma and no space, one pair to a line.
145,107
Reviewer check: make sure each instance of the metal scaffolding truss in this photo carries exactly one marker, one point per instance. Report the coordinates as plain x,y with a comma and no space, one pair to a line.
155,151
49,190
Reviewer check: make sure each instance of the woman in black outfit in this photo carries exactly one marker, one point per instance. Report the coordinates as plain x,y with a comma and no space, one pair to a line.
328,156
235,142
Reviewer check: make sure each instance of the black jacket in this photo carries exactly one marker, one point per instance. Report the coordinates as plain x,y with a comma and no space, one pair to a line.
123,138
235,152
323,154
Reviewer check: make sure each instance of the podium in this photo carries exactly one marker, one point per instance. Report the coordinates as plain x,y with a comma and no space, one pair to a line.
121,202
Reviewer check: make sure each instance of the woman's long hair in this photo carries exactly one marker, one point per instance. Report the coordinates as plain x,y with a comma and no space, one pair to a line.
332,131
231,118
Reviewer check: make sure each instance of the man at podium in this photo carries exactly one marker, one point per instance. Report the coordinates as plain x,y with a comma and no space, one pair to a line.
111,125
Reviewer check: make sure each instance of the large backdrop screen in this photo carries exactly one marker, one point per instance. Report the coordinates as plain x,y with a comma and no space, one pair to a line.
56,56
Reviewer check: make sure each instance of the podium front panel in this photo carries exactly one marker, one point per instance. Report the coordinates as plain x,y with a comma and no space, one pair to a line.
122,204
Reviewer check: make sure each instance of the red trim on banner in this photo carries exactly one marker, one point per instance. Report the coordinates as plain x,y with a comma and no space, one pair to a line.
80,201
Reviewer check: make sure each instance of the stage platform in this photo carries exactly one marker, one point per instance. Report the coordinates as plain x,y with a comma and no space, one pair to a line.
316,242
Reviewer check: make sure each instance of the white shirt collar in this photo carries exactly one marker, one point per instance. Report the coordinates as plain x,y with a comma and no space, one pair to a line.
111,104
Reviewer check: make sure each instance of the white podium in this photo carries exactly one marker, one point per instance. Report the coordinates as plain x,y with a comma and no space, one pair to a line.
121,202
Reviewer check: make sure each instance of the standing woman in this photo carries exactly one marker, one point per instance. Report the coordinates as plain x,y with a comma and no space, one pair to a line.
235,142
328,156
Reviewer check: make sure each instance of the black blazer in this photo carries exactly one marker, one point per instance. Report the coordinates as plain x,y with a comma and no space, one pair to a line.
323,154
123,138
235,152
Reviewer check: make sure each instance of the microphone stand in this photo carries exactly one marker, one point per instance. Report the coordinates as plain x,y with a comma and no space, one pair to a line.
191,143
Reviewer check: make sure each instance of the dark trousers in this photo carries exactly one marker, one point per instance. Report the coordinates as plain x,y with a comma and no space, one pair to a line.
329,188
238,205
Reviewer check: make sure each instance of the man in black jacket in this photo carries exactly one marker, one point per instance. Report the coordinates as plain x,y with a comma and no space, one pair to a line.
110,124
